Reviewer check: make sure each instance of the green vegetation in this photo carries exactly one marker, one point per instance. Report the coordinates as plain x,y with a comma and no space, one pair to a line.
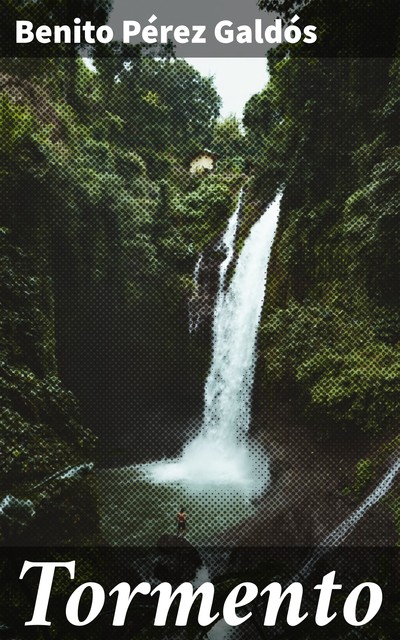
324,130
102,225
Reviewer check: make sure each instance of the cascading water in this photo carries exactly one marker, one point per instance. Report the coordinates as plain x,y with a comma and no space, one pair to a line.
220,453
196,272
227,244
193,311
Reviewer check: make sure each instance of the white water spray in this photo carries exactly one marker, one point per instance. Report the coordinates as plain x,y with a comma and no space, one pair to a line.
220,453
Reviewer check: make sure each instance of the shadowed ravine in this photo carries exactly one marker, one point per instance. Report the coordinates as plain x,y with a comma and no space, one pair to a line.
220,470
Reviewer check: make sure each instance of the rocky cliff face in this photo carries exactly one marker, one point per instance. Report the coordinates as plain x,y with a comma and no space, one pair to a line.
41,428
327,378
201,302
328,338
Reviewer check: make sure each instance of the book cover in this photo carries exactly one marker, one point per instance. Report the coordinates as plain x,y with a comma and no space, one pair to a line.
200,319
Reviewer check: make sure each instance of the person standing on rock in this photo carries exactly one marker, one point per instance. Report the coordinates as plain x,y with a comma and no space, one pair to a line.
181,520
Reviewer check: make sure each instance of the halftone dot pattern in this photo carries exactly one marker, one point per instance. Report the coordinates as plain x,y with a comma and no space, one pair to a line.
110,302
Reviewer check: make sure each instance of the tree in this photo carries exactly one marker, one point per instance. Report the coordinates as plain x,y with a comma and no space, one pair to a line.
229,141
165,105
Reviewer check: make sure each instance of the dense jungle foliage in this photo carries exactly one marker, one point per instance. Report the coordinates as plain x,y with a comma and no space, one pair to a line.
102,224
326,131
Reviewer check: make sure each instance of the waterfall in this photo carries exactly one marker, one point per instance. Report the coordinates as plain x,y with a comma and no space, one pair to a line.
194,316
196,272
227,245
220,454
237,315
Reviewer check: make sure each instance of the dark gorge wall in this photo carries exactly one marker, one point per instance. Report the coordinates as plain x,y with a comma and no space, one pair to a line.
324,130
114,235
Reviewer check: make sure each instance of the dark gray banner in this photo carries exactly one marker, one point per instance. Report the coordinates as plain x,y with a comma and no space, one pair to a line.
213,28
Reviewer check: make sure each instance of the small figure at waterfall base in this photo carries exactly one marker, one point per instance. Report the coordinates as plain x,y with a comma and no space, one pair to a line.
181,520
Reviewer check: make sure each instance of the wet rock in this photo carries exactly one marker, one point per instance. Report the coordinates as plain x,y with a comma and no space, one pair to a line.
178,560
